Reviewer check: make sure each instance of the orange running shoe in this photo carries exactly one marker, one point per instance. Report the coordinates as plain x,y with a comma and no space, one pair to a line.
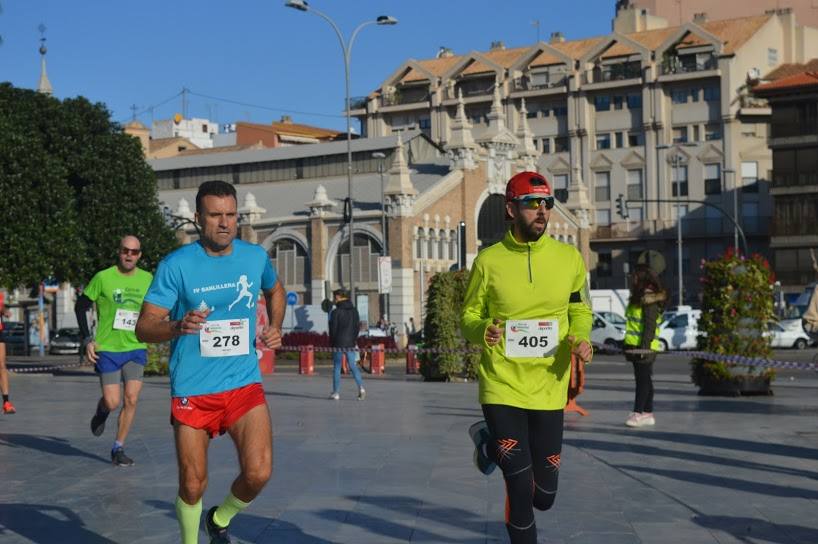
8,408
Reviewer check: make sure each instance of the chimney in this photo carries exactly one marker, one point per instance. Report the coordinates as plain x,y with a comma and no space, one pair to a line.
700,17
557,37
286,119
497,46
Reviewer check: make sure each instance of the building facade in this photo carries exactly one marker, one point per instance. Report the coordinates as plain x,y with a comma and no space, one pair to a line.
794,189
658,115
680,11
291,202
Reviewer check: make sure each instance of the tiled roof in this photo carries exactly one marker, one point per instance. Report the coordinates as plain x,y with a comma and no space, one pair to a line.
733,32
793,82
477,67
294,129
786,70
219,149
414,75
156,144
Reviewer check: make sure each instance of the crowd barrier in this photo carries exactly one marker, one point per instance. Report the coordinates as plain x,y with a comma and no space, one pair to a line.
377,357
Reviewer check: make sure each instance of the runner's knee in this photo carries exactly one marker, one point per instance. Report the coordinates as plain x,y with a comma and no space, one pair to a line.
258,475
544,501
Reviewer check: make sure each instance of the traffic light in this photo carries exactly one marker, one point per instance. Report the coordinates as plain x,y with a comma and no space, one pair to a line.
621,207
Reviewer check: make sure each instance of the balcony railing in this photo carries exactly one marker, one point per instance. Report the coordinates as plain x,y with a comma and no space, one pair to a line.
685,64
527,84
613,72
400,97
357,102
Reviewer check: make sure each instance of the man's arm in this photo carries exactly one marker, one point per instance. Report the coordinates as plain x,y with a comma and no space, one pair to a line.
478,328
276,303
81,308
580,315
154,327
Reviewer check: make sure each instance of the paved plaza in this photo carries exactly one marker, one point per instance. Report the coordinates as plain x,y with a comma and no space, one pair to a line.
397,467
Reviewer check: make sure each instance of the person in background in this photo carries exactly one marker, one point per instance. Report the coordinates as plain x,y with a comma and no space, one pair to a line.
343,335
643,314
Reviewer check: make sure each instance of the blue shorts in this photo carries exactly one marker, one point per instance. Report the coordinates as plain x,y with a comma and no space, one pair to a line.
110,361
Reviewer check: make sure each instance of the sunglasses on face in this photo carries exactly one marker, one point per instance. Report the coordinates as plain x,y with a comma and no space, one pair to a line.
534,203
130,251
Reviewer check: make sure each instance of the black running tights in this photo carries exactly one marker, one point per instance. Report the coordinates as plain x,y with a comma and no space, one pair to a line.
527,446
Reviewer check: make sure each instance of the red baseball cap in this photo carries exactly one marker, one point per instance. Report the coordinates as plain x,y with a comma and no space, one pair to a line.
527,183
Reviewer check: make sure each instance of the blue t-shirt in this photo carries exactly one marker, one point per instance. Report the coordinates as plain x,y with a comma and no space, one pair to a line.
229,286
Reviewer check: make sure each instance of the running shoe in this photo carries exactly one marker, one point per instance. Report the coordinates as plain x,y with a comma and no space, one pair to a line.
643,419
334,396
98,423
119,458
361,393
479,433
217,535
8,408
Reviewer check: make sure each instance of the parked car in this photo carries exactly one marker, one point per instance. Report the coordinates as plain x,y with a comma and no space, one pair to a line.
66,342
680,330
787,334
608,329
13,335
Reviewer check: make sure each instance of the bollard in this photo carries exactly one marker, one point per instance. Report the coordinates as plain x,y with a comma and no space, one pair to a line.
266,360
576,386
412,363
378,359
306,360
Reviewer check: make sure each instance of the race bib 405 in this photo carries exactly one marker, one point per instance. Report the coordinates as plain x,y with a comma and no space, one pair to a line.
527,338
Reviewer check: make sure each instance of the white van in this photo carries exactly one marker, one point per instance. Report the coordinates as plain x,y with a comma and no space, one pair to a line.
679,329
608,329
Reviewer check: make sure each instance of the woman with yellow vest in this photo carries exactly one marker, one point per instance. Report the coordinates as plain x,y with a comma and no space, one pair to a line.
641,334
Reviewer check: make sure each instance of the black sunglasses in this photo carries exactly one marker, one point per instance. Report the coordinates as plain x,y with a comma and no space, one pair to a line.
130,251
533,203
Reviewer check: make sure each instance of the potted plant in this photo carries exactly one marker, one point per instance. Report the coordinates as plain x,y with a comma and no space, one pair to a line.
737,304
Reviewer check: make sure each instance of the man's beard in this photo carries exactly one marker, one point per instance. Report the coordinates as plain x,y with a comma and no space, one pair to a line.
529,231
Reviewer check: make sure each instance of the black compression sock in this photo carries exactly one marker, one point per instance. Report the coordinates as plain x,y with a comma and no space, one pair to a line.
5,398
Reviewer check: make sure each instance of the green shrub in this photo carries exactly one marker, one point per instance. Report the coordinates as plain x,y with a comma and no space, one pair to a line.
441,330
736,306
158,359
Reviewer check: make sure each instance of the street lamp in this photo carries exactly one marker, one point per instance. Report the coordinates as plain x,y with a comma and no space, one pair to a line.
346,47
675,162
384,251
735,204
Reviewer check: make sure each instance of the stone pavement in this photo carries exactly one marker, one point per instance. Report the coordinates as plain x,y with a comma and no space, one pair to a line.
397,467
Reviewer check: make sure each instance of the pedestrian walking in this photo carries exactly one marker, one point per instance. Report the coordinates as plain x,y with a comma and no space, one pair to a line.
343,336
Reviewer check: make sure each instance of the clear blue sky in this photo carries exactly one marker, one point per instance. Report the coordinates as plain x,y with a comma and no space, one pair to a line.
257,51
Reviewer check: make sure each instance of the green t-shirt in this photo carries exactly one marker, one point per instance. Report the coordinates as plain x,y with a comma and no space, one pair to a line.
118,298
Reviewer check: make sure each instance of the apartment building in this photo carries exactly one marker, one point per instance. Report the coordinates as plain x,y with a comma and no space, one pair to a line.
793,97
663,114
679,11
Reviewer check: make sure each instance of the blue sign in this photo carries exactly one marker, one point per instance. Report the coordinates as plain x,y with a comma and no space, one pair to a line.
292,298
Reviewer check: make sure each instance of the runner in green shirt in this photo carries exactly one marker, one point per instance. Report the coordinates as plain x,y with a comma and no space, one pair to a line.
117,354
527,307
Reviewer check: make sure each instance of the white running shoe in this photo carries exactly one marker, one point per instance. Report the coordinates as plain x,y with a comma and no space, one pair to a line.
640,419
334,396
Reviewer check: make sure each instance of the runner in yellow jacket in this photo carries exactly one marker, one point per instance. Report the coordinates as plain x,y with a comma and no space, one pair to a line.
527,306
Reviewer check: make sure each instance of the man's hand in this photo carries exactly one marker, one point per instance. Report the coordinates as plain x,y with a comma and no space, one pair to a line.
583,349
91,352
271,337
192,322
494,333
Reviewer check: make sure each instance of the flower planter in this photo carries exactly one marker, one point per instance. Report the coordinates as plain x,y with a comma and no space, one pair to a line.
742,385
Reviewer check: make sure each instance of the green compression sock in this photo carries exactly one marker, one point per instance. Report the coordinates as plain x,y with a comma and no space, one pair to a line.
188,515
229,508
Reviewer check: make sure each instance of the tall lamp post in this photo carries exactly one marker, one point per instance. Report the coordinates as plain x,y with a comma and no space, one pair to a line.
346,47
735,204
675,162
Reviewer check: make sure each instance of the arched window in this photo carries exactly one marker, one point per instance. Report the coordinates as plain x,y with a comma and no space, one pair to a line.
366,253
292,264
453,245
430,244
418,243
491,223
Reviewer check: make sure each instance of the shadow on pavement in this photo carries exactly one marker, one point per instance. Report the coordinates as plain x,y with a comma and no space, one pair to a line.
47,444
46,524
710,441
408,507
251,528
762,488
744,529
652,451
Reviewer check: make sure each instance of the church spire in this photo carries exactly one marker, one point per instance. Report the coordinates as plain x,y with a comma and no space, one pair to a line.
44,86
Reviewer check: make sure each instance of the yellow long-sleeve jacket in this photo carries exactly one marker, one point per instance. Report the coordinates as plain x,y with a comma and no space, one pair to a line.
545,279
